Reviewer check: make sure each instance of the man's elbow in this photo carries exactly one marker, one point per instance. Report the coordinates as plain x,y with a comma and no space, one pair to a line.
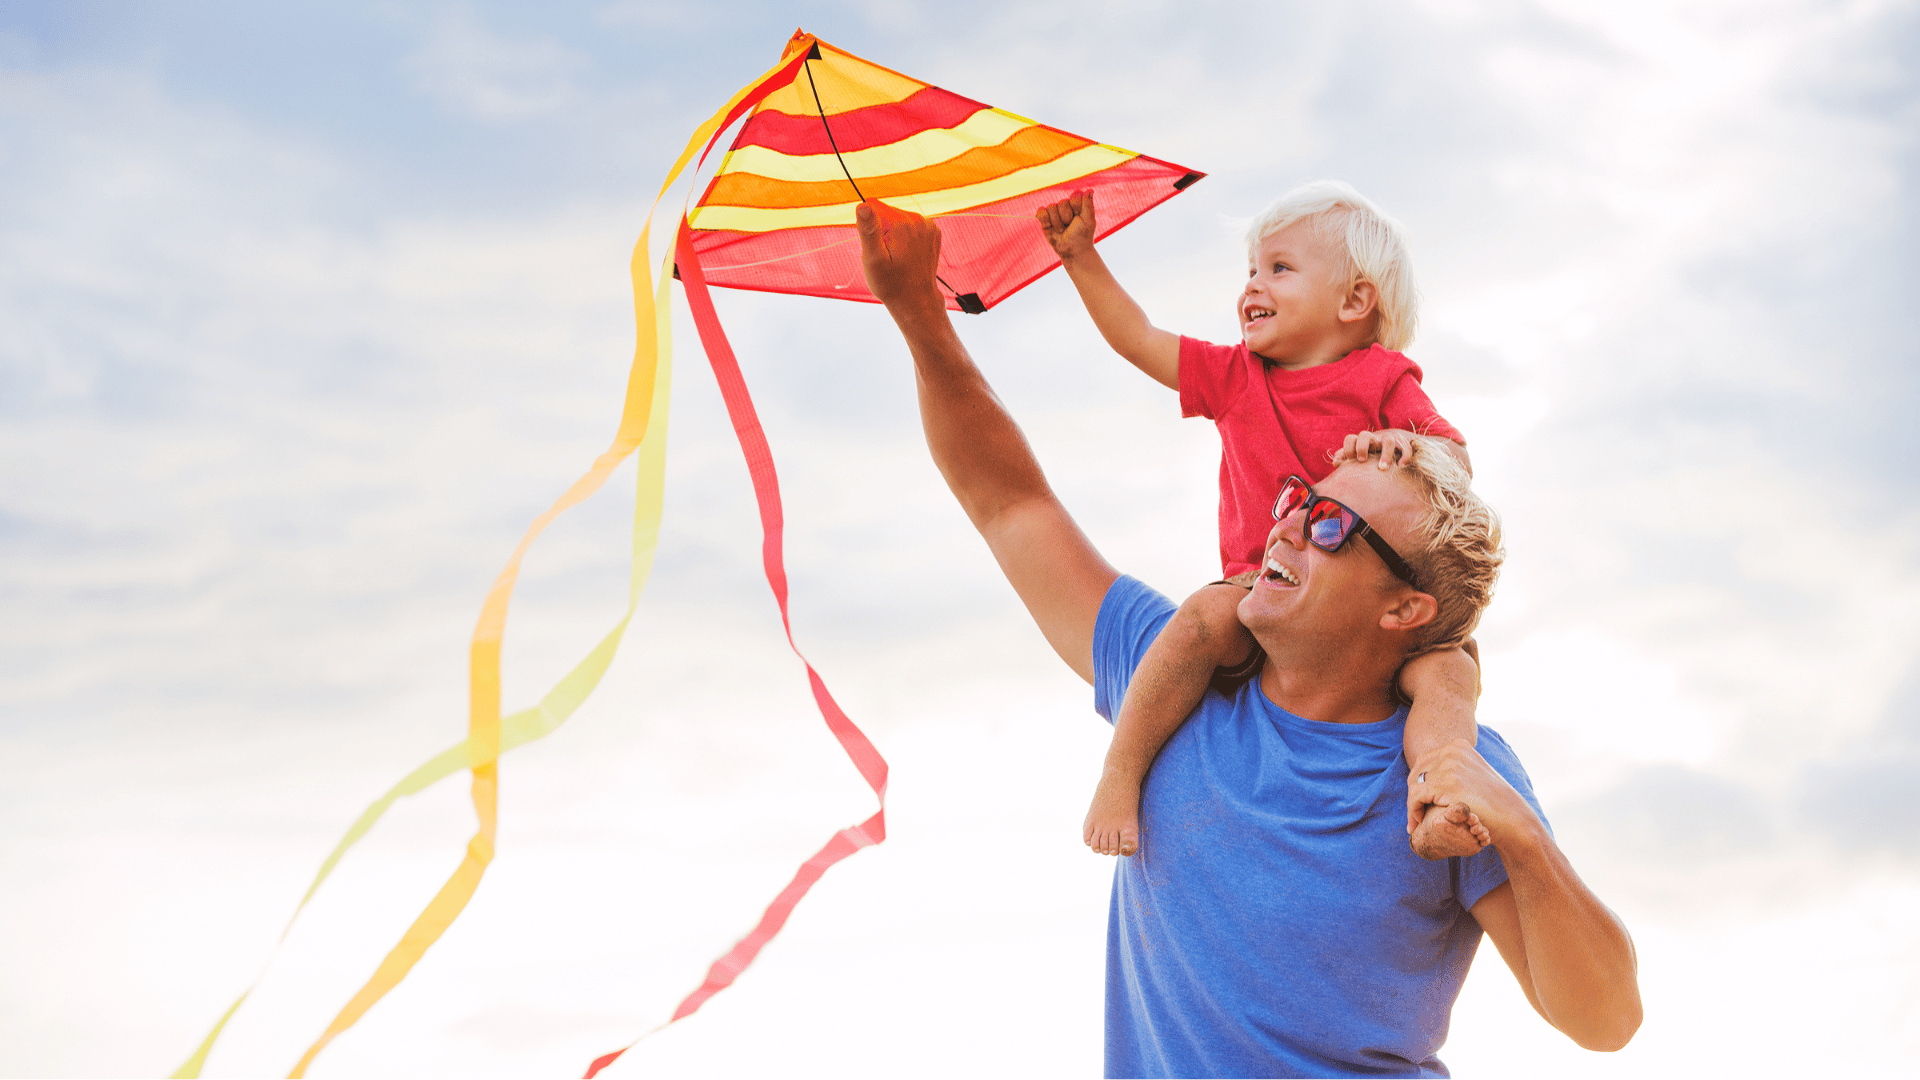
1612,1031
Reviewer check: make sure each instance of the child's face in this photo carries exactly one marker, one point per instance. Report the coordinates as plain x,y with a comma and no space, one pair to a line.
1295,286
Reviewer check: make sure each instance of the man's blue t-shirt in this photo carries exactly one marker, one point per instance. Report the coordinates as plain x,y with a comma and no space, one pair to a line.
1275,922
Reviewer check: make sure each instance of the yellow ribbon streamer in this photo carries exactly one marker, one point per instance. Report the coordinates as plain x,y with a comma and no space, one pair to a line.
642,427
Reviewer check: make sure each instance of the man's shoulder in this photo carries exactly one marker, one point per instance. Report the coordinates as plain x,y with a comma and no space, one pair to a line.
1500,754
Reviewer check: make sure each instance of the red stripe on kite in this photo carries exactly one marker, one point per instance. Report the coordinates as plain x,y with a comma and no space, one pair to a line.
857,129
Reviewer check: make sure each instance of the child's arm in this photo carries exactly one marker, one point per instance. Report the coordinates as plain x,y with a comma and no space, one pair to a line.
1068,226
1172,677
1444,687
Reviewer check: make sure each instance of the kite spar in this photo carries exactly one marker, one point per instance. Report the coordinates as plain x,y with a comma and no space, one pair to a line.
825,130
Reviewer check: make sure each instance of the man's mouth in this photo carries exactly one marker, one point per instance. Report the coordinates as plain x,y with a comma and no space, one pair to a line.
1279,575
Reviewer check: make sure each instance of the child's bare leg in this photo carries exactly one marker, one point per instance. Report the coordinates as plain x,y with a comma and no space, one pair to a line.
1444,687
1172,677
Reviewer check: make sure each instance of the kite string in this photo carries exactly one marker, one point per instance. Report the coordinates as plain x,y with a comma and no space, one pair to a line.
828,128
822,109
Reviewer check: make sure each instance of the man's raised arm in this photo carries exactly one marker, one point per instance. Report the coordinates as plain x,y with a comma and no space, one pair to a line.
978,447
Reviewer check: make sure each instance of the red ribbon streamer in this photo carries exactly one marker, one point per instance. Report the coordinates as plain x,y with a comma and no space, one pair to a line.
860,750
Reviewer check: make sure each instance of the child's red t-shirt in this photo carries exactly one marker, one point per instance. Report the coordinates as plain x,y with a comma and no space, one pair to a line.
1276,423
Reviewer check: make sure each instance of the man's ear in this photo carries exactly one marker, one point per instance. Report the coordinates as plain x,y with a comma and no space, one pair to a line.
1411,611
1360,302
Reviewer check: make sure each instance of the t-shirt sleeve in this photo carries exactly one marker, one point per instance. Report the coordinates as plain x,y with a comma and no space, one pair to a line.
1206,378
1131,616
1476,876
1405,405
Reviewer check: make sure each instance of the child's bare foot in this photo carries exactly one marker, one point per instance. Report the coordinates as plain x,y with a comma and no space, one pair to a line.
1113,822
1449,831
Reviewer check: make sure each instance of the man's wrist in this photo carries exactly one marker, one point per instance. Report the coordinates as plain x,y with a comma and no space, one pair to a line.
917,306
1521,842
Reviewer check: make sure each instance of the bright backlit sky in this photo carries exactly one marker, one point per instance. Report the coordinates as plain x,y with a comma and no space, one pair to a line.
306,310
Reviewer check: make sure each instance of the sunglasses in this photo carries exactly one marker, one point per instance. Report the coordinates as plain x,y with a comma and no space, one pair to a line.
1330,525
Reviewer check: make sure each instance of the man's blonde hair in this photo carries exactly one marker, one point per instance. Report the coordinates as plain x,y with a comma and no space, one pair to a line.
1376,249
1460,561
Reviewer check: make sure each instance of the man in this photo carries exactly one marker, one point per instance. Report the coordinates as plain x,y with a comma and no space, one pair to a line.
1275,922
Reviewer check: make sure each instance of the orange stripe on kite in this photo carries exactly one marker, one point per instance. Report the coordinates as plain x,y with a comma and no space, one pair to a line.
1025,148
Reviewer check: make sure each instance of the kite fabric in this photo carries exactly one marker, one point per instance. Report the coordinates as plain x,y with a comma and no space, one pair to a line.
778,216
825,130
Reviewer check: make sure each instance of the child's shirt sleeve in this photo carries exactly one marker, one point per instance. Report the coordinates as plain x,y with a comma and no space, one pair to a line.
1210,379
1405,405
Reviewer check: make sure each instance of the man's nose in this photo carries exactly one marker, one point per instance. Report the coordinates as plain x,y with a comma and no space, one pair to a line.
1288,530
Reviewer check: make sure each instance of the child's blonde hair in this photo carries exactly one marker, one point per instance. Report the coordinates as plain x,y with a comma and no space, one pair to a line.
1376,248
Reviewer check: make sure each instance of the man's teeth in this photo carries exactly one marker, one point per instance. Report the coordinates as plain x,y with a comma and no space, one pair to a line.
1276,572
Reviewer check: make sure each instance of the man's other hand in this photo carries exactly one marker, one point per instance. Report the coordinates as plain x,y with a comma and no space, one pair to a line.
899,253
1456,775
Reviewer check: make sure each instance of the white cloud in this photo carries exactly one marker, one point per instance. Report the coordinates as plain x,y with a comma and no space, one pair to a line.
493,77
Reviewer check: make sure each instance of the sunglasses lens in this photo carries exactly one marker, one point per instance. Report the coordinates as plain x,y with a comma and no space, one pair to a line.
1328,525
1292,494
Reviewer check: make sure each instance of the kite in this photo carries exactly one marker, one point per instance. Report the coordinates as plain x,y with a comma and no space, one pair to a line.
824,131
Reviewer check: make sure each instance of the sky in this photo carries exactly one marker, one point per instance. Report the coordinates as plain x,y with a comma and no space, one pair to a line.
307,310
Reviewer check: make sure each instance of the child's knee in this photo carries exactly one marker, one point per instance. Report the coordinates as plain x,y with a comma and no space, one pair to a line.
1211,616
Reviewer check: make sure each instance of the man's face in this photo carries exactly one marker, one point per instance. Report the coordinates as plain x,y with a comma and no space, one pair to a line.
1295,286
1304,591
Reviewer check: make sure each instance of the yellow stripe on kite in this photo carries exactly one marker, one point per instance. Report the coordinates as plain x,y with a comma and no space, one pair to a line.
988,127
755,219
845,83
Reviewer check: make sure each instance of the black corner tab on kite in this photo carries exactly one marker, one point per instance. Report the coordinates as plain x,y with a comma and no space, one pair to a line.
814,53
1186,181
676,271
970,303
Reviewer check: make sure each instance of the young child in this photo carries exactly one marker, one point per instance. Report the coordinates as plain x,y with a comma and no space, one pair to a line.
1317,380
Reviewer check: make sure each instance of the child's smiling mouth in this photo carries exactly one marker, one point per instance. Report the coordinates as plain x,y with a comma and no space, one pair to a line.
1257,314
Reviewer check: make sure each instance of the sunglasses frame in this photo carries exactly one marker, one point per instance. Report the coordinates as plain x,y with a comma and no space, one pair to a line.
1397,565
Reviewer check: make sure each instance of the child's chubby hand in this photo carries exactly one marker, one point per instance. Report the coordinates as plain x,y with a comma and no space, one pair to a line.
1068,225
1394,446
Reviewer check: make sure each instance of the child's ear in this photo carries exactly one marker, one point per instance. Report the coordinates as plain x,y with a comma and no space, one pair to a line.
1410,611
1360,302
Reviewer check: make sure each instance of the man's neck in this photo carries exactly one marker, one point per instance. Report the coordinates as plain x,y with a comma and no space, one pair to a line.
1351,686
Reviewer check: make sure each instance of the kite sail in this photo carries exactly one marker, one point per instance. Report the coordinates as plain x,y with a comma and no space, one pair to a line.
825,130
778,216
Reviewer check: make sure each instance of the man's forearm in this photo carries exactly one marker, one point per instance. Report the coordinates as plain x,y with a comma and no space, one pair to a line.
975,443
1580,960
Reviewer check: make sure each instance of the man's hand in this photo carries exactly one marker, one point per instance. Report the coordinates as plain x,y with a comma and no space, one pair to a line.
1456,775
1394,446
1068,225
899,253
